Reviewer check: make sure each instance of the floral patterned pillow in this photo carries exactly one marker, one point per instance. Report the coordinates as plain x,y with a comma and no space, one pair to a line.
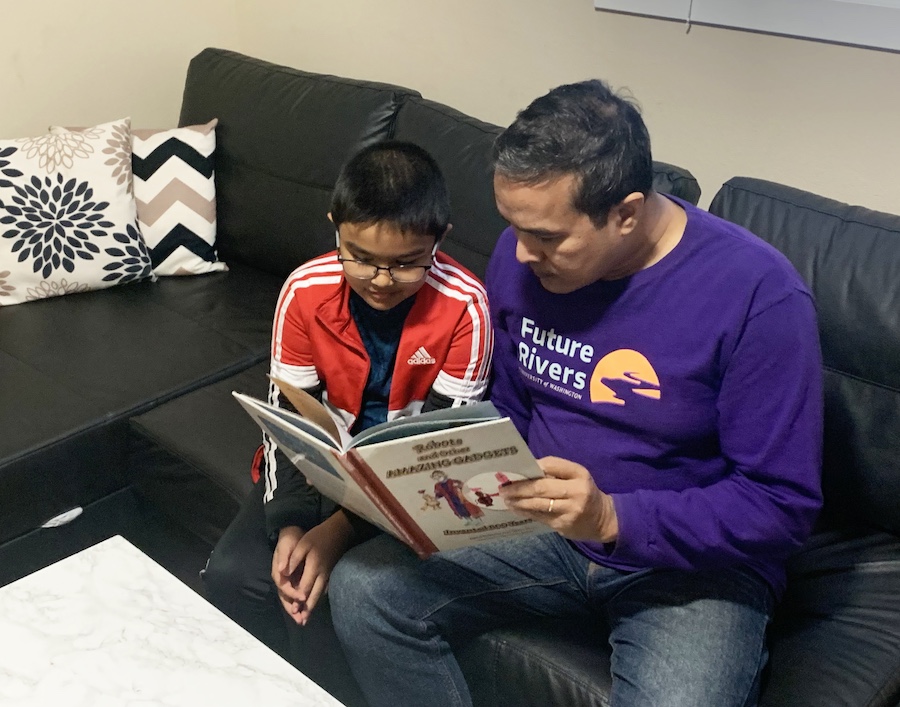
67,214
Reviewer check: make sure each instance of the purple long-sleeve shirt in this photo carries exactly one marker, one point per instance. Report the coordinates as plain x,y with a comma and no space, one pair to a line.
691,390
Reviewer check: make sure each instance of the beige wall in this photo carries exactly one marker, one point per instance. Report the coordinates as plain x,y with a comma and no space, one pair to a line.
719,102
82,63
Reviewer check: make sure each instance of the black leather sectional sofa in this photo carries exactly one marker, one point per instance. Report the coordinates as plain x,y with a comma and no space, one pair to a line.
125,393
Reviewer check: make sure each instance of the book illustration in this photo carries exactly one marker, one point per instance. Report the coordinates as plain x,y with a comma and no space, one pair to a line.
467,499
318,464
483,498
431,503
451,490
313,417
462,468
484,489
306,453
431,480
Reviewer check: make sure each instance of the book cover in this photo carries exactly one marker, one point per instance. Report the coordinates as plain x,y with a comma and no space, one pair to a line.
431,480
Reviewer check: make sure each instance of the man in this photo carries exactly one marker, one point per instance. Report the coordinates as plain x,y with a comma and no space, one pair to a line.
664,365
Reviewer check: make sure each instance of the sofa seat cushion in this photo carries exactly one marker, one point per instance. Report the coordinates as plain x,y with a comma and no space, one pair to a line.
191,456
836,636
74,367
57,449
557,662
128,347
835,639
237,305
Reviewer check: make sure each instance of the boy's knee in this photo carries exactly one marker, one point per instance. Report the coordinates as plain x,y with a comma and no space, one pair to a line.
223,576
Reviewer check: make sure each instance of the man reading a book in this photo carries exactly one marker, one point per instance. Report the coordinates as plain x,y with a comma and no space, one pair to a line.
664,367
382,327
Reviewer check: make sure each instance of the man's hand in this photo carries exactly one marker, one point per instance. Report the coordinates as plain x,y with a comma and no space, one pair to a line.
566,499
302,563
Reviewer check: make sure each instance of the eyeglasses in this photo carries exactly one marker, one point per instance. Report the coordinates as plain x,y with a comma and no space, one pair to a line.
402,274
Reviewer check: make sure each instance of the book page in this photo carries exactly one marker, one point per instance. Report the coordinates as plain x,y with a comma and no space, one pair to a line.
309,408
283,427
428,422
314,458
448,481
287,417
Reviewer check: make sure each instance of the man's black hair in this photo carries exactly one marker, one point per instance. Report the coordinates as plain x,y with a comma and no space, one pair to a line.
393,181
583,129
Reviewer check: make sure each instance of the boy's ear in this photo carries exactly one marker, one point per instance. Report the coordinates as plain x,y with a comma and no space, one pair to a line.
446,231
329,217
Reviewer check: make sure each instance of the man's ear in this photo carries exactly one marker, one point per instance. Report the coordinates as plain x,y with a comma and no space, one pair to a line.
329,217
627,212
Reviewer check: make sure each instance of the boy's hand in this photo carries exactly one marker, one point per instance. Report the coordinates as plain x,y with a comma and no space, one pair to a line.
288,539
566,499
302,563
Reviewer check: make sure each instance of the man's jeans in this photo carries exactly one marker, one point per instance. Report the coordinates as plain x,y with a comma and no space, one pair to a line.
679,638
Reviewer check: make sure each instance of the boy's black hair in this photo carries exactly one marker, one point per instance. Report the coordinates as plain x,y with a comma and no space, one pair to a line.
393,181
583,129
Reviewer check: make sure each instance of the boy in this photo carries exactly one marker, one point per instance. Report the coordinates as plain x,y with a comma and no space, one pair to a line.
383,327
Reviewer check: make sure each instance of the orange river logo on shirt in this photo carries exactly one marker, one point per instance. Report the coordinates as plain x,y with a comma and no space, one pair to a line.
622,374
561,363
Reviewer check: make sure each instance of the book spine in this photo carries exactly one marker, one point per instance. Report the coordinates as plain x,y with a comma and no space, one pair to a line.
409,531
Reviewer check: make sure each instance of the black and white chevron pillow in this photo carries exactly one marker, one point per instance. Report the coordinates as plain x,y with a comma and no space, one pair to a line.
175,193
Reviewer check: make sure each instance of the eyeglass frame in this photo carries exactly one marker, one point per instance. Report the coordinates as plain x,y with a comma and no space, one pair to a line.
378,268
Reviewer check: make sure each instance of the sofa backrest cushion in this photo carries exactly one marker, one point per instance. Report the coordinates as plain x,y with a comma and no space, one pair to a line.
850,257
677,181
462,147
283,135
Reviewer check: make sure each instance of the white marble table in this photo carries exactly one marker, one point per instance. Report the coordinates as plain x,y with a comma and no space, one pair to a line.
108,627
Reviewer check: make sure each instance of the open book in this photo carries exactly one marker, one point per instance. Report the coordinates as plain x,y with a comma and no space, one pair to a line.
430,480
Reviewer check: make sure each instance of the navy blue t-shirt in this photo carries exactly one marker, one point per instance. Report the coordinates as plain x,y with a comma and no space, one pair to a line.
380,331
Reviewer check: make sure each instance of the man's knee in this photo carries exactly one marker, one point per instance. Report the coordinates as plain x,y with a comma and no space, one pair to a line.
369,576
351,584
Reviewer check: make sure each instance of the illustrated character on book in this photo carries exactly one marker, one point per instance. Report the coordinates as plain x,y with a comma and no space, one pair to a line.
484,489
431,503
483,497
451,490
